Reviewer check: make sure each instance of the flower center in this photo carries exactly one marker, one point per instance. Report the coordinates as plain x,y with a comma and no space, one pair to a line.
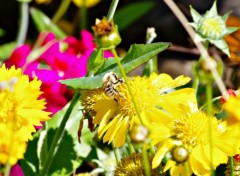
144,93
193,129
6,105
213,27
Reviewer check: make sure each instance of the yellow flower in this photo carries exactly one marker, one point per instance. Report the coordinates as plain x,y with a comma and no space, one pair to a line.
191,131
12,148
89,3
132,165
20,110
20,103
116,116
233,114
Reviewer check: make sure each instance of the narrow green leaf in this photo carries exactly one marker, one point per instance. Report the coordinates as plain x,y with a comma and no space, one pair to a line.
43,23
108,64
195,15
6,50
137,55
222,45
96,60
64,163
137,10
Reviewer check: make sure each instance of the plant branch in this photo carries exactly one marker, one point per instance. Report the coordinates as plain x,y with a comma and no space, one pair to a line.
112,9
24,18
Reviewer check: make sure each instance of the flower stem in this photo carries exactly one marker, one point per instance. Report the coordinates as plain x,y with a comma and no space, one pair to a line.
127,83
187,169
24,18
146,163
112,9
195,84
199,45
130,146
61,10
83,17
115,153
209,112
7,169
231,160
58,137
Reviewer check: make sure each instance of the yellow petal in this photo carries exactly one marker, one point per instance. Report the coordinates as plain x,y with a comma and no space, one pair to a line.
121,135
161,152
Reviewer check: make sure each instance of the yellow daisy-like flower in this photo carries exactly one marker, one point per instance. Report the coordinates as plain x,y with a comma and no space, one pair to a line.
233,114
132,165
12,148
20,110
19,103
116,116
89,3
190,133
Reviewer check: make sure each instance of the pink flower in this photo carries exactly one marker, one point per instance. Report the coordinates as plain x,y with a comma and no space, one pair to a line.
16,170
61,60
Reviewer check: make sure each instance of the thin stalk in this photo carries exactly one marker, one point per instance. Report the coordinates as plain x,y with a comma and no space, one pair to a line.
83,17
147,169
151,66
7,170
58,136
231,160
115,153
61,10
24,18
187,169
112,9
127,83
199,45
195,84
130,146
209,112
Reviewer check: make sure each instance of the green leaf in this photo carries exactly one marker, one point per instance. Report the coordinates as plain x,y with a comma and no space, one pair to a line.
2,32
96,60
213,10
222,45
137,10
108,64
195,15
69,151
137,55
6,50
43,23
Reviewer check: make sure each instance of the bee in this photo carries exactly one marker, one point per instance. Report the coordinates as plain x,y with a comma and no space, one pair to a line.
110,82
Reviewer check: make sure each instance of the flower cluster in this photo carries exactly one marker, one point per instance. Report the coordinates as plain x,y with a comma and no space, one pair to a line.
183,134
20,110
55,60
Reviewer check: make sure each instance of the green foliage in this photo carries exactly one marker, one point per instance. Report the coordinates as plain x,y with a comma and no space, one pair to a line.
137,55
96,60
67,152
126,13
43,23
6,50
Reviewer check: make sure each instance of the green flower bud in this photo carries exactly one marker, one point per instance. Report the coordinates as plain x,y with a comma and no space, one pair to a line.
106,34
212,27
179,154
139,133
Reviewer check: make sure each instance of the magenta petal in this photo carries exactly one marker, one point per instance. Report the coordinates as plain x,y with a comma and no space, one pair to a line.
46,37
87,41
73,45
19,56
47,76
107,54
16,170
